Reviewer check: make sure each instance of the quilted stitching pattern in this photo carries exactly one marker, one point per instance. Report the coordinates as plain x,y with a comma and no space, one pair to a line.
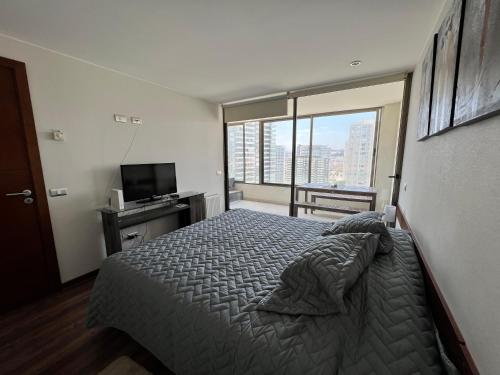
365,214
190,298
315,282
363,224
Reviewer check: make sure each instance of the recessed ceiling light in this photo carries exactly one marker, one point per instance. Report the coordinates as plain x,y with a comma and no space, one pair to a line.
355,63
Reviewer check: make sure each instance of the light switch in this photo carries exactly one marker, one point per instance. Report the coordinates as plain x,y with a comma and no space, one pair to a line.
120,118
58,192
136,120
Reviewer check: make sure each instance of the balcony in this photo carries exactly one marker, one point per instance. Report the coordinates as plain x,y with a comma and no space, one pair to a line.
275,199
281,209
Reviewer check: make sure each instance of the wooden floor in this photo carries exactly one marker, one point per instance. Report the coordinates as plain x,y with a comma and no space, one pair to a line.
50,337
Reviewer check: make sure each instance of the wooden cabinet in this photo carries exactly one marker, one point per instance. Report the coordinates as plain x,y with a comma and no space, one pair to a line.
189,206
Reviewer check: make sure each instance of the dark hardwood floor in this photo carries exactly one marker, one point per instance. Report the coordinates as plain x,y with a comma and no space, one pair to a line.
50,337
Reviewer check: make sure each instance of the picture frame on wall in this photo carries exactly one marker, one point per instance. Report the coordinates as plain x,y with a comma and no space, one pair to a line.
446,69
478,82
426,84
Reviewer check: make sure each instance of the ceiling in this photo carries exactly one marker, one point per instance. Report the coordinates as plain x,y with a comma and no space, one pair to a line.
223,50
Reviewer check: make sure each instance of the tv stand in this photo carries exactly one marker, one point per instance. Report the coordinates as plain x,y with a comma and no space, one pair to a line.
150,199
188,206
158,198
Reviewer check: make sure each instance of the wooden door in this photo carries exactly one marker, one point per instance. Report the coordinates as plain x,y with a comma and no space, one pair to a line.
28,264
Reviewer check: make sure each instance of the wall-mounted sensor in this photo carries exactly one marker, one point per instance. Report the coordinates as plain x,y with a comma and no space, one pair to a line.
120,118
136,120
57,135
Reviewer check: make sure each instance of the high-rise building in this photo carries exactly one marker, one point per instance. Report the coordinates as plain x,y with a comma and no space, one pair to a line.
320,167
243,151
274,156
336,175
235,152
317,151
301,168
278,157
252,152
319,164
359,154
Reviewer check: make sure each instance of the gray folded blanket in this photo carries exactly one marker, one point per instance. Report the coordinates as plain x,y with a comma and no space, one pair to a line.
316,281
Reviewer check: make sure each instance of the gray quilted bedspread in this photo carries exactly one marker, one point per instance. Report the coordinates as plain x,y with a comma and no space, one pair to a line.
190,298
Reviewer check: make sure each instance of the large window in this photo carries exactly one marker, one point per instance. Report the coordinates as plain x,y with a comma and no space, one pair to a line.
331,148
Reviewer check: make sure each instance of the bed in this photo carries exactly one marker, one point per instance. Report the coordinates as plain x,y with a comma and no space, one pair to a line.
190,298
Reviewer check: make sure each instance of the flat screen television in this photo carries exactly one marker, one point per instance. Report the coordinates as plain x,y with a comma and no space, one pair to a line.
148,181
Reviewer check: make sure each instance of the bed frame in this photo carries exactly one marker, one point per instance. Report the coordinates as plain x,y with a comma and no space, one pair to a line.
451,337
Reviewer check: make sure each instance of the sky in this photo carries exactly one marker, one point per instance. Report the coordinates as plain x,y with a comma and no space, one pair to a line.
330,130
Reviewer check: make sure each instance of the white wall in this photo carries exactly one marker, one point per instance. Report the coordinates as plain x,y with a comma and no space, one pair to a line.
80,99
264,193
452,202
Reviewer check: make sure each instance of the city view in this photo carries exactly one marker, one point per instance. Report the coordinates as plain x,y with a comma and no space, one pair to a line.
340,150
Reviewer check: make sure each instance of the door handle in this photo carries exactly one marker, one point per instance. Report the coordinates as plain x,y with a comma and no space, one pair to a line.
396,176
24,193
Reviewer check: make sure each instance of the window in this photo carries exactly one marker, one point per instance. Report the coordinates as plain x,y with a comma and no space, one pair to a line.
358,156
342,148
339,150
277,151
243,152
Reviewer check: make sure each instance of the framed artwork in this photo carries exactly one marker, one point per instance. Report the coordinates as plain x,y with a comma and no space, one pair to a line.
426,82
445,71
478,84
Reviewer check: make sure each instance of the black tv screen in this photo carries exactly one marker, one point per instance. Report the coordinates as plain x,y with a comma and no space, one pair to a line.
142,181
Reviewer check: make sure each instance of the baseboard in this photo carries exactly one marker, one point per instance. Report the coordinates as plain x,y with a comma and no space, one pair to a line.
79,279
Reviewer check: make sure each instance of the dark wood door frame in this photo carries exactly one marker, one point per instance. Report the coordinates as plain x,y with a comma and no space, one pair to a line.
294,153
42,207
400,148
226,164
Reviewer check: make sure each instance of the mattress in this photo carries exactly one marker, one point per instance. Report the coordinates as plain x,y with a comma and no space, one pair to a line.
190,298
